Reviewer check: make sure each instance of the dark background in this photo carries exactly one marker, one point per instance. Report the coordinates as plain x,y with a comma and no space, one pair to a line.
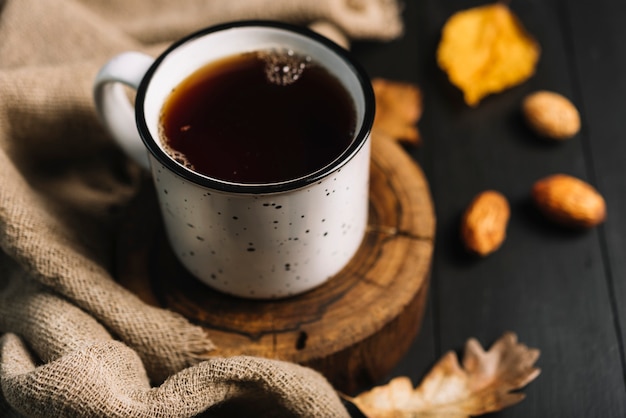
561,291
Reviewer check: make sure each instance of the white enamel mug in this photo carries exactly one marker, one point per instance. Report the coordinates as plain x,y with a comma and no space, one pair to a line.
259,241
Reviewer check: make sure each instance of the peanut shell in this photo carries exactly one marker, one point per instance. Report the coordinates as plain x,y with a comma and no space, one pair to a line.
569,201
551,115
484,223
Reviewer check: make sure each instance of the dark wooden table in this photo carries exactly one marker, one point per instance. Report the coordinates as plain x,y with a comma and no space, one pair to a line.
562,292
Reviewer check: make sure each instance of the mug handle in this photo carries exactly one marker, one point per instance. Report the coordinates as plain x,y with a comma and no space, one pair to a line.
113,106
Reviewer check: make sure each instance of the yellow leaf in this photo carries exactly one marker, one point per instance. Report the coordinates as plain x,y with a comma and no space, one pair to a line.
486,383
486,50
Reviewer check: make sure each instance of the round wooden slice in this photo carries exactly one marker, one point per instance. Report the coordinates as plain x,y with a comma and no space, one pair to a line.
353,329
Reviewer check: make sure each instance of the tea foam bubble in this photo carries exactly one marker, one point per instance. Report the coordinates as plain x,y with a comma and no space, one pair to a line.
284,67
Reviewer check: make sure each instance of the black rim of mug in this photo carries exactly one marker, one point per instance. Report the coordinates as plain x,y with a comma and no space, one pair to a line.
254,188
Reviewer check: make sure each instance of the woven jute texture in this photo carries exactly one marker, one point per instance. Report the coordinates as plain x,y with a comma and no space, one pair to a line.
73,342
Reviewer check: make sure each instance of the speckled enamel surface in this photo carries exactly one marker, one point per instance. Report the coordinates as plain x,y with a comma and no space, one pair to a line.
266,246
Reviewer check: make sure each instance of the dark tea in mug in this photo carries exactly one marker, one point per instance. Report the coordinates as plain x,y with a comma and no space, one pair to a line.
258,117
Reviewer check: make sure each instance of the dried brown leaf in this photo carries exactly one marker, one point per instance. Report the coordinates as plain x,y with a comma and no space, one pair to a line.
485,383
398,109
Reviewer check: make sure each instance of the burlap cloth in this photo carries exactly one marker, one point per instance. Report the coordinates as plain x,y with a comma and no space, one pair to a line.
74,342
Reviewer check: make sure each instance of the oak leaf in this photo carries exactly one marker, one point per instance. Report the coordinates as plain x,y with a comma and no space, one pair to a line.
486,383
486,50
398,109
